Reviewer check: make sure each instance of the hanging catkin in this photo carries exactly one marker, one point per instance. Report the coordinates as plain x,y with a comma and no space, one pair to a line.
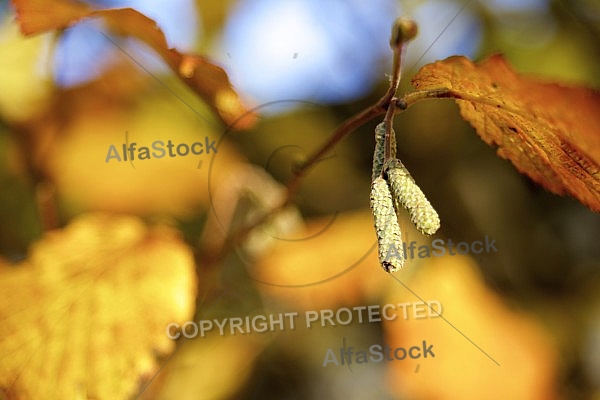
386,225
407,194
378,156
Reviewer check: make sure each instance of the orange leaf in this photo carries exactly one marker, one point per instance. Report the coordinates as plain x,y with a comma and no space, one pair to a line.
36,16
466,367
85,313
550,132
208,80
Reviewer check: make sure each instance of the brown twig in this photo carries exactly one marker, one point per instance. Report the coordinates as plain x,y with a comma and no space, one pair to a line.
402,32
389,128
294,184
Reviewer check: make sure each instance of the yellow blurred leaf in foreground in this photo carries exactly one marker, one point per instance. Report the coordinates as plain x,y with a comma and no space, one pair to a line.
459,370
85,313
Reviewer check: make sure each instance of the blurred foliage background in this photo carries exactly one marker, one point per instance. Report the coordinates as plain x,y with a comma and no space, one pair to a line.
534,306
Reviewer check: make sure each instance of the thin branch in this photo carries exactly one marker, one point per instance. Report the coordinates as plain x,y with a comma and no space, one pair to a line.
337,136
384,105
403,31
396,73
389,126
294,184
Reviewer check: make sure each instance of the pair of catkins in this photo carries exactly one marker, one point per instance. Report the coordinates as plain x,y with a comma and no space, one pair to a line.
393,187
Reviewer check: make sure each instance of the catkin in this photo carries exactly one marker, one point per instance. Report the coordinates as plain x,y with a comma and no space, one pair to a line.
408,194
378,156
386,225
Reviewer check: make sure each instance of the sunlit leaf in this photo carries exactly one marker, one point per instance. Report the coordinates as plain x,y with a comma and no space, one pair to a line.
85,313
550,132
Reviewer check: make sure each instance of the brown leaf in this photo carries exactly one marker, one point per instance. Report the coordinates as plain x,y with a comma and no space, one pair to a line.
36,16
83,315
550,132
208,80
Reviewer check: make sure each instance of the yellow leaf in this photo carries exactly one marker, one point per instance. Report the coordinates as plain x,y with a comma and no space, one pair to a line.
85,313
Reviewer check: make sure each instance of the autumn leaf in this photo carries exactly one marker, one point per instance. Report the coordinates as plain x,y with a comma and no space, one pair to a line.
36,16
550,132
85,313
208,80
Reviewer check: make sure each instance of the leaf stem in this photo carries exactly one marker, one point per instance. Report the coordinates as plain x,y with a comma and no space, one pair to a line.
416,96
